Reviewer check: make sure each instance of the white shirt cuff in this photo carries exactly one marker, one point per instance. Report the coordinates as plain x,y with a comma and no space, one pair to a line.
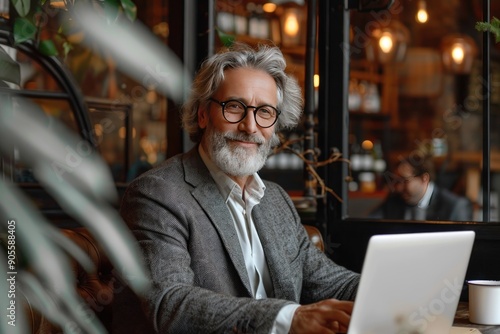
283,320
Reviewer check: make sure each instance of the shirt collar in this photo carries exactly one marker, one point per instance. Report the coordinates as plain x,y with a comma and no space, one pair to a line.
424,202
254,187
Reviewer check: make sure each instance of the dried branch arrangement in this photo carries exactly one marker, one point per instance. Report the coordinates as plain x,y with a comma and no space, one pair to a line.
312,163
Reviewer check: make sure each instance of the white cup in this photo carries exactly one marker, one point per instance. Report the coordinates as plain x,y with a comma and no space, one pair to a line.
484,302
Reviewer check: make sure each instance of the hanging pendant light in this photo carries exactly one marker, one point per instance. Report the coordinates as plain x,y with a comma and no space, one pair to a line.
292,17
422,14
388,43
458,52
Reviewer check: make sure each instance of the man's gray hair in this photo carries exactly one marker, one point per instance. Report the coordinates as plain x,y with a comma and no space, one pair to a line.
211,74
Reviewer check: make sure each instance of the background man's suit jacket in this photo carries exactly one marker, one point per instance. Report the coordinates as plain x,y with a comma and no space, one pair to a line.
195,260
443,205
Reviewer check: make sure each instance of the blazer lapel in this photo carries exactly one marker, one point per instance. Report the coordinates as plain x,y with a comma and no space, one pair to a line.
207,194
265,223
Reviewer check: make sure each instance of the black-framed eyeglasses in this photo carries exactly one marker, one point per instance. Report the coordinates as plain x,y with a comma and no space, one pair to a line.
405,180
234,111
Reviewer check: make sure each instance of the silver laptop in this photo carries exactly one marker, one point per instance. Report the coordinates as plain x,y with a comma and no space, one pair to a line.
411,283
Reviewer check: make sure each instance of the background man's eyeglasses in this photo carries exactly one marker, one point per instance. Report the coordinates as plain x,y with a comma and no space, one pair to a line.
235,111
401,179
405,179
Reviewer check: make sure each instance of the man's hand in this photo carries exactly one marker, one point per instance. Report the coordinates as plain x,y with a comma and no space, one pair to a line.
327,316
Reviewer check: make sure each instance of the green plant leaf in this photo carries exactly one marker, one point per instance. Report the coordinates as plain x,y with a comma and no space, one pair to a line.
67,47
137,52
111,9
24,30
493,27
48,48
49,264
60,239
9,68
88,178
58,311
22,6
226,39
84,187
130,9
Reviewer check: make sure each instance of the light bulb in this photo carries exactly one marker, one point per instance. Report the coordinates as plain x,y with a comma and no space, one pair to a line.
269,7
367,145
316,80
457,53
291,25
422,15
385,42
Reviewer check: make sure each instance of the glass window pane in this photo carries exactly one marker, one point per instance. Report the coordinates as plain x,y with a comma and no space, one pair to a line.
415,93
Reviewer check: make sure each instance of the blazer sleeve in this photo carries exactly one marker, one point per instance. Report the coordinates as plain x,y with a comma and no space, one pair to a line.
322,278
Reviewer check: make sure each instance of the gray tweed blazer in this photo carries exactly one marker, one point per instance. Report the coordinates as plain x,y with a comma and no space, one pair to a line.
199,280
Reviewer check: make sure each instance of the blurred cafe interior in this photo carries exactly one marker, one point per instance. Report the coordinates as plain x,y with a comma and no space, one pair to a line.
382,80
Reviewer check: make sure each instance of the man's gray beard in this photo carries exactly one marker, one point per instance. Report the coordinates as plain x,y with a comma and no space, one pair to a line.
238,161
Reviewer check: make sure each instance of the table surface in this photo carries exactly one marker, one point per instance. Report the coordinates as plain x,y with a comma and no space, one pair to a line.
462,320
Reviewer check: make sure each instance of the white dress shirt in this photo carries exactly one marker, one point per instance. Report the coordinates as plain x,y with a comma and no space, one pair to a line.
419,211
240,205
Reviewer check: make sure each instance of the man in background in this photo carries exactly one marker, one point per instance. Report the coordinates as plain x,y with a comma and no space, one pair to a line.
415,195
